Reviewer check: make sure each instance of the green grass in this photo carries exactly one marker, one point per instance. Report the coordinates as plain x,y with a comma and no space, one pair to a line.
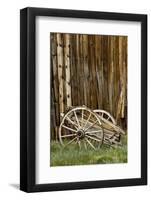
72,155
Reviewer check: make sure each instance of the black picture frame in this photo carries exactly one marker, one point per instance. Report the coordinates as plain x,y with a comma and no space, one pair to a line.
28,98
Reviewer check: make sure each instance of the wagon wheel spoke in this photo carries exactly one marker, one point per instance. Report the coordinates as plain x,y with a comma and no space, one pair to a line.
72,122
76,118
87,120
79,142
71,141
82,118
90,120
85,144
95,135
93,138
70,135
70,129
91,125
104,113
90,143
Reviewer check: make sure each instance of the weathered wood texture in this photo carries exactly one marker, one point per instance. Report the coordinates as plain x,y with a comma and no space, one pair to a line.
88,70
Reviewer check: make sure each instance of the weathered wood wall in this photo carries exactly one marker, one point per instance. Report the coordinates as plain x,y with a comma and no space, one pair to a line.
88,70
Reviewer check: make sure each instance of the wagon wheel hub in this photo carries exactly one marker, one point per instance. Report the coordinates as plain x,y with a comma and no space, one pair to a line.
81,134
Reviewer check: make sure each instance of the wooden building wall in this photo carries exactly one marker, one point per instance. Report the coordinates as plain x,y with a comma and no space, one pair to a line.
88,70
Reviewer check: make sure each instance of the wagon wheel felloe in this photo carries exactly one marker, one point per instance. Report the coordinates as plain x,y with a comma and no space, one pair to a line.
81,126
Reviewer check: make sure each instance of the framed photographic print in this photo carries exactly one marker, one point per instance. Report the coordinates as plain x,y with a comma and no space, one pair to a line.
83,99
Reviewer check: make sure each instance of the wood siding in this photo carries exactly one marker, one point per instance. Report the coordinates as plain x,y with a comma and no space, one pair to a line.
88,70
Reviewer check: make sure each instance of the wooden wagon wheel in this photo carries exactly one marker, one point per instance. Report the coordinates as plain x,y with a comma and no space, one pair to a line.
81,126
109,136
106,115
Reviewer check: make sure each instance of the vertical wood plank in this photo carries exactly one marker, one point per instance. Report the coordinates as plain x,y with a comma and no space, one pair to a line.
86,71
98,70
67,69
122,89
111,73
92,69
73,69
54,87
60,70
80,70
